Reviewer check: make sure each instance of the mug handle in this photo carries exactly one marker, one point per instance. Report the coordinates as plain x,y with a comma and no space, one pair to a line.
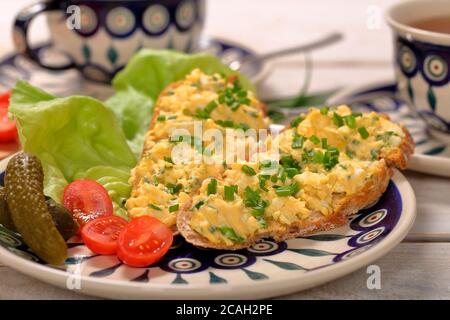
20,33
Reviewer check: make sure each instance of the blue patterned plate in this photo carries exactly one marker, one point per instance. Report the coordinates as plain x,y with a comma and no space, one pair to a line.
431,156
65,83
265,270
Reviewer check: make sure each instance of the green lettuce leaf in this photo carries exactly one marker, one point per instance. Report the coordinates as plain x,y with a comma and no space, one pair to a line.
134,112
151,71
75,138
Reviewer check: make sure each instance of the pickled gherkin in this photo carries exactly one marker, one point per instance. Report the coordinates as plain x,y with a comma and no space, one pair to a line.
26,202
5,216
62,218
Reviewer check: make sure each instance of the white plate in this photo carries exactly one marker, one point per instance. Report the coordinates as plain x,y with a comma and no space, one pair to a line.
267,269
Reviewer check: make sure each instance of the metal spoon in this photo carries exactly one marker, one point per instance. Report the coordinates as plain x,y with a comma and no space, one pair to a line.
329,39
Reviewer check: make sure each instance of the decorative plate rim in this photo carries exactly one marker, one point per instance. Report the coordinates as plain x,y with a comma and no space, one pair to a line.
111,288
433,164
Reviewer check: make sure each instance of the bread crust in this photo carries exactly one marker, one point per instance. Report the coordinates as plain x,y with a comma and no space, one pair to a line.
399,157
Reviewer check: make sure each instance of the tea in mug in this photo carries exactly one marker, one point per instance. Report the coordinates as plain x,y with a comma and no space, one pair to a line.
439,24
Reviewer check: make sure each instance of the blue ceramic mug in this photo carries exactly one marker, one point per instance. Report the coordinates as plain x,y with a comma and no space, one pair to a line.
99,37
422,62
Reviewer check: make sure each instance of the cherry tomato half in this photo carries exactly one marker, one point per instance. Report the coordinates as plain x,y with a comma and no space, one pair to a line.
100,235
87,200
144,241
8,130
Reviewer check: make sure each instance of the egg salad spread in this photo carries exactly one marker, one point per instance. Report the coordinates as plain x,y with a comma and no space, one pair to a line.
325,155
161,184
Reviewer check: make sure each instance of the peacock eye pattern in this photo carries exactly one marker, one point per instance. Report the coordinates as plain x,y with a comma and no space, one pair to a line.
431,63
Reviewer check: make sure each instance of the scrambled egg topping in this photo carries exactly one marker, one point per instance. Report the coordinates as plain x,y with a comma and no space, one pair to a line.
162,186
325,156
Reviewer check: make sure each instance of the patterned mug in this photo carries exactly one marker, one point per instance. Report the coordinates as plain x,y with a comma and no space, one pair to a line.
422,61
98,37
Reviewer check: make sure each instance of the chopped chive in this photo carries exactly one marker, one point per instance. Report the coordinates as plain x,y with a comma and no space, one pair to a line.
267,163
287,161
324,110
248,170
363,132
317,157
229,192
289,190
338,120
230,234
291,172
151,205
253,114
262,222
212,187
374,154
349,153
235,105
258,210
281,175
298,141
168,159
251,197
174,189
333,151
161,118
357,114
199,204
324,143
350,121
314,139
174,208
242,94
211,106
296,121
262,182
201,114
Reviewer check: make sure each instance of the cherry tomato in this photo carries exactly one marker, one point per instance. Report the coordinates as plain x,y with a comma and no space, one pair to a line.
8,130
87,200
100,235
144,241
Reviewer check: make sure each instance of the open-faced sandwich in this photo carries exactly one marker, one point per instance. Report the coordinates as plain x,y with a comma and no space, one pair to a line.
162,187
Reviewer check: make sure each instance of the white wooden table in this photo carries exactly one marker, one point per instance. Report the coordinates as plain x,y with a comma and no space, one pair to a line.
418,268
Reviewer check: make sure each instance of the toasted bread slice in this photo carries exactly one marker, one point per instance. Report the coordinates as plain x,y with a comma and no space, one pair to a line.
345,206
370,151
161,185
